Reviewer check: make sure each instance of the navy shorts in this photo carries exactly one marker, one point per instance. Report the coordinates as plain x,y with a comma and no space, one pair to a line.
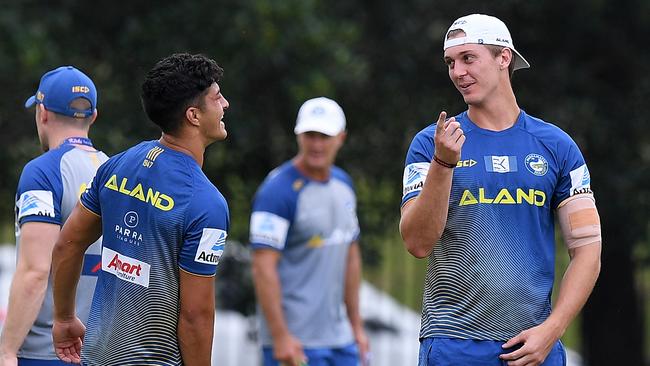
342,356
456,352
34,362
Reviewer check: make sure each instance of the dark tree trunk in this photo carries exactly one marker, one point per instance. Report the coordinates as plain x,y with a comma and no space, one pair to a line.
613,323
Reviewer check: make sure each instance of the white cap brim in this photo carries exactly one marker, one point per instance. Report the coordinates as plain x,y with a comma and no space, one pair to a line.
520,61
484,29
316,125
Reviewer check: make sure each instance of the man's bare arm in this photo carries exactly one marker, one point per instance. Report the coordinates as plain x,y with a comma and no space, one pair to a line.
196,318
424,217
80,230
28,286
352,285
286,347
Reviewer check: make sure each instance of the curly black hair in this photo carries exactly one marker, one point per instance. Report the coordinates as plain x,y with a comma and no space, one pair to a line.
174,84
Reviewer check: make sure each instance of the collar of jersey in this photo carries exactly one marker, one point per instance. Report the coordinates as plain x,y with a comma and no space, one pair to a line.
468,125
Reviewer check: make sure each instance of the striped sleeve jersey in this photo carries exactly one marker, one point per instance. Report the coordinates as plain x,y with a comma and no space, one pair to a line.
48,189
160,215
312,224
491,274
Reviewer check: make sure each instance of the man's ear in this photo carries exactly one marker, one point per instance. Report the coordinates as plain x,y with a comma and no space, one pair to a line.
506,58
93,117
42,114
192,115
341,138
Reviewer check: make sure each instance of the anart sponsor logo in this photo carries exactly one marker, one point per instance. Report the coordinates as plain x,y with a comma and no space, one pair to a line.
125,268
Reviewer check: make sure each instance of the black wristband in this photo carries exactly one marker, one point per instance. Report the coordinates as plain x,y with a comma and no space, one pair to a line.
443,163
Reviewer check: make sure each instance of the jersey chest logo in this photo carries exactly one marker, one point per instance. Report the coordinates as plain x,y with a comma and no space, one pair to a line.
536,164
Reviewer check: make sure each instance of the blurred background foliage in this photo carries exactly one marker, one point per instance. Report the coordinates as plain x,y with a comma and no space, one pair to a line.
382,61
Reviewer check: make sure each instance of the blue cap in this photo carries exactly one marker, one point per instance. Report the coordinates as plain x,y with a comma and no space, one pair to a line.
59,87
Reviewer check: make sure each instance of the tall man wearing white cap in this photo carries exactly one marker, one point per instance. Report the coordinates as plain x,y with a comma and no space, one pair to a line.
49,187
481,190
306,259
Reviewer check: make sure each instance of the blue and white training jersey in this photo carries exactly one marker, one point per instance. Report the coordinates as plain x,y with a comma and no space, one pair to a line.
312,223
48,189
491,274
160,214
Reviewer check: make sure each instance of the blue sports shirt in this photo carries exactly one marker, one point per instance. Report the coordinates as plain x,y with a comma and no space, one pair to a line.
312,224
48,189
160,214
491,274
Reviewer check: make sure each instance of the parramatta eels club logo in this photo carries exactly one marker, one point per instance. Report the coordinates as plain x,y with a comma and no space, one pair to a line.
536,164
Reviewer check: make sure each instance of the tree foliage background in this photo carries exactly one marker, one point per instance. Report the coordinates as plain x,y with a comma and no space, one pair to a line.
382,60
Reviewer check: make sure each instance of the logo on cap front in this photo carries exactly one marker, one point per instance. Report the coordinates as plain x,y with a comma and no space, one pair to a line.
318,111
40,96
80,89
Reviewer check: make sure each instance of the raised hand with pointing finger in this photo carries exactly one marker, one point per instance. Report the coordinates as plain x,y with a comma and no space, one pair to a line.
448,140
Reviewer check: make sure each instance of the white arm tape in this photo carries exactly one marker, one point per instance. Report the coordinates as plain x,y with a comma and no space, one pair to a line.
579,221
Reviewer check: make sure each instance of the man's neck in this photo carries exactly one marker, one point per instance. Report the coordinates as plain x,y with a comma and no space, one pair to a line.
58,137
497,113
310,172
185,145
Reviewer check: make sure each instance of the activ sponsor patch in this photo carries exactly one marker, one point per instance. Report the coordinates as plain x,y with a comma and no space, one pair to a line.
414,176
211,246
125,268
269,229
580,180
36,202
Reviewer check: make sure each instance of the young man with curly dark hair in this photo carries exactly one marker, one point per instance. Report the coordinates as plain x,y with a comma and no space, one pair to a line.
164,227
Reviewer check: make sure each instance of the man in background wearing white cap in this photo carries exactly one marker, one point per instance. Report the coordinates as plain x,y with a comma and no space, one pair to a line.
480,193
49,187
306,259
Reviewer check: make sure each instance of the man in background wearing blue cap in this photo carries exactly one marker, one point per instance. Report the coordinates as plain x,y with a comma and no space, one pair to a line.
48,189
306,263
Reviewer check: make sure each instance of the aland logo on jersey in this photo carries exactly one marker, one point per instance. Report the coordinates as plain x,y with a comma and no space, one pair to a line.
503,196
156,199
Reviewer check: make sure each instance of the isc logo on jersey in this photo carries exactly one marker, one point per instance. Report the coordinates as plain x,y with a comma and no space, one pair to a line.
211,246
125,268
